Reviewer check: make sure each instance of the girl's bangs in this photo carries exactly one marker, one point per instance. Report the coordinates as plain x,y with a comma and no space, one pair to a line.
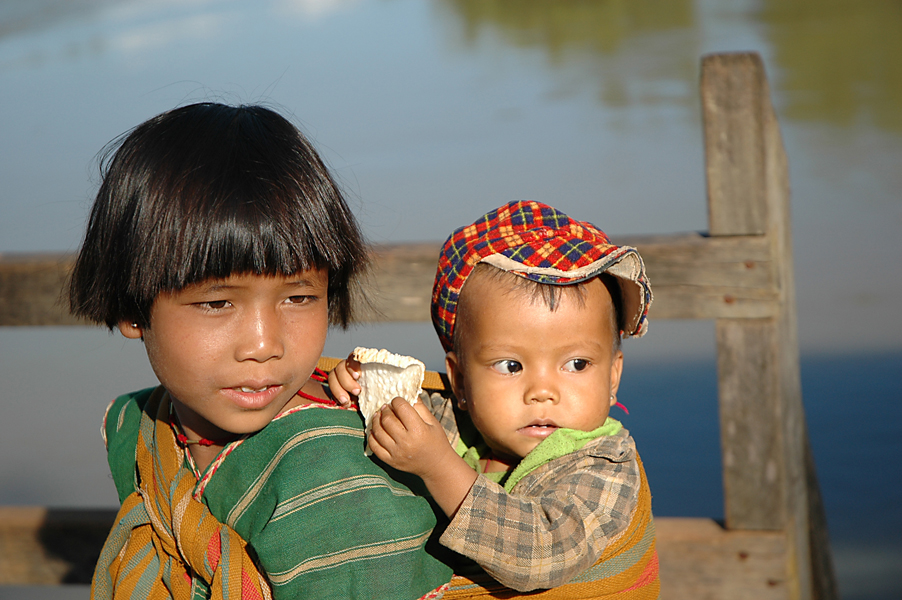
231,243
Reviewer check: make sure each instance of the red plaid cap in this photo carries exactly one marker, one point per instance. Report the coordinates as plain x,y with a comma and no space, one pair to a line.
540,243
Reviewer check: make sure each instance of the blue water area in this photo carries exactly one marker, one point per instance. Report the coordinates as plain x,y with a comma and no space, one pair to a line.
673,418
853,405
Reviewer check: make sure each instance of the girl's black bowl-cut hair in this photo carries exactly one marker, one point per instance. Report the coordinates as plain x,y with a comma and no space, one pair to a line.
207,191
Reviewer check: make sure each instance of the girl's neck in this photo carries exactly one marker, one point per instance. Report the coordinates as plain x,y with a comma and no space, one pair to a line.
203,456
203,450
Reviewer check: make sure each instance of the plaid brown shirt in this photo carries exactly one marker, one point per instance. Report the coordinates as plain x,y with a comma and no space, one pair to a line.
556,521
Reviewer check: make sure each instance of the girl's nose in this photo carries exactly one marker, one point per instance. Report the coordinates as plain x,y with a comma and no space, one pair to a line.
260,338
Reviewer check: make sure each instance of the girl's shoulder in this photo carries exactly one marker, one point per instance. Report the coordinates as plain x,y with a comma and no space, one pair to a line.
311,416
123,415
121,426
312,438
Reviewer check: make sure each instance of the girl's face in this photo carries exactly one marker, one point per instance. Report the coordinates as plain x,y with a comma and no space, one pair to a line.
234,352
526,370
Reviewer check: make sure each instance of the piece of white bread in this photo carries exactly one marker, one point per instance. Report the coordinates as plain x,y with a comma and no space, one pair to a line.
383,377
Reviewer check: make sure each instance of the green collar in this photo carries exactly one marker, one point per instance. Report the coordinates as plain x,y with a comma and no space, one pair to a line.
560,443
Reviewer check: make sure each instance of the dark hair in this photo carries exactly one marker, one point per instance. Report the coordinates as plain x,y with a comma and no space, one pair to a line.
547,293
207,191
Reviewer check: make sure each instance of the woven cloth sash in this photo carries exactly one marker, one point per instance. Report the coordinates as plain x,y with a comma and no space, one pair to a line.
166,544
626,570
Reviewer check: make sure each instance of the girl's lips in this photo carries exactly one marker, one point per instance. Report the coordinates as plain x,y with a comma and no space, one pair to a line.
253,396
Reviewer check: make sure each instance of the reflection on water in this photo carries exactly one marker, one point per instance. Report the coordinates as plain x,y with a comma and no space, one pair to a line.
567,25
586,33
840,60
28,16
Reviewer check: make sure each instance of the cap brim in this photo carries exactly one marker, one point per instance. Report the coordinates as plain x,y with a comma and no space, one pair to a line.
625,264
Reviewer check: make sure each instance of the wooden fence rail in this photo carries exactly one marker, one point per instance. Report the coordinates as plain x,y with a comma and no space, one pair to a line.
774,543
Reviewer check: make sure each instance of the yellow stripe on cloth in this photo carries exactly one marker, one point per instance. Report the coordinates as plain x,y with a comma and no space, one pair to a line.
626,570
166,544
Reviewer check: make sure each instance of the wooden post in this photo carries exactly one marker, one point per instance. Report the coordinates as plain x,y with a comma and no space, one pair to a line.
763,435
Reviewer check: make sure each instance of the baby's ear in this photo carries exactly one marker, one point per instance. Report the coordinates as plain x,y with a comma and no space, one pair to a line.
131,330
616,372
456,379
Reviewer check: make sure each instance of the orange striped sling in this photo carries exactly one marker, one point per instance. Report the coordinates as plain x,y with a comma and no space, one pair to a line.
165,543
627,569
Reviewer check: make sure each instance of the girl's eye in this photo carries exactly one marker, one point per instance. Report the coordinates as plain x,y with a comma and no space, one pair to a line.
507,367
576,365
215,304
299,299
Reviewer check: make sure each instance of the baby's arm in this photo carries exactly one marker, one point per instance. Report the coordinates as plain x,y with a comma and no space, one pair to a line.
410,439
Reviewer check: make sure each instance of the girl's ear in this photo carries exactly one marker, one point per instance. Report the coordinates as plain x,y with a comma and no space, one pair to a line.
131,330
456,379
616,372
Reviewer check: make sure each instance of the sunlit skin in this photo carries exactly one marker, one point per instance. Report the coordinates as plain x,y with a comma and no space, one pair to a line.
526,370
233,353
523,372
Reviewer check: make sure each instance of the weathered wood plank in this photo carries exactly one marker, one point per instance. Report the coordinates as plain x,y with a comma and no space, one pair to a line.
402,281
751,443
763,433
732,104
50,546
31,287
694,277
699,559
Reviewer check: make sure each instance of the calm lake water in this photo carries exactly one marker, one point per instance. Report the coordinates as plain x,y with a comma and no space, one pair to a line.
432,112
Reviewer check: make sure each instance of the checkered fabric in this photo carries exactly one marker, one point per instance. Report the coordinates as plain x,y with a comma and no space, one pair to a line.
540,243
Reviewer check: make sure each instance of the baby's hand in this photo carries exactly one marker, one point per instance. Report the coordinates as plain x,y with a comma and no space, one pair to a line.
343,381
408,438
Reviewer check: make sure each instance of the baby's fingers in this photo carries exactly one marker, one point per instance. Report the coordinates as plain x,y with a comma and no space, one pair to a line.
353,365
390,421
343,383
425,414
376,447
381,441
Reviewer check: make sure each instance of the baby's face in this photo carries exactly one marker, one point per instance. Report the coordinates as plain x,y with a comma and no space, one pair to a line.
525,370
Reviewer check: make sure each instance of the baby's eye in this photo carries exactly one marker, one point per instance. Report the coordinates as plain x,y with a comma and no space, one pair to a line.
507,367
576,365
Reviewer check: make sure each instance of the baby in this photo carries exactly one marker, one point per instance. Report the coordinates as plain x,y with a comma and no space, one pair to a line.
548,491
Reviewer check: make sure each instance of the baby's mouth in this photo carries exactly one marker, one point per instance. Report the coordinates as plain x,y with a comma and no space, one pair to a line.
248,390
541,428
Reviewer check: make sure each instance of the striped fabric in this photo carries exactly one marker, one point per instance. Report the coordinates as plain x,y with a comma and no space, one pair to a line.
166,544
320,519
